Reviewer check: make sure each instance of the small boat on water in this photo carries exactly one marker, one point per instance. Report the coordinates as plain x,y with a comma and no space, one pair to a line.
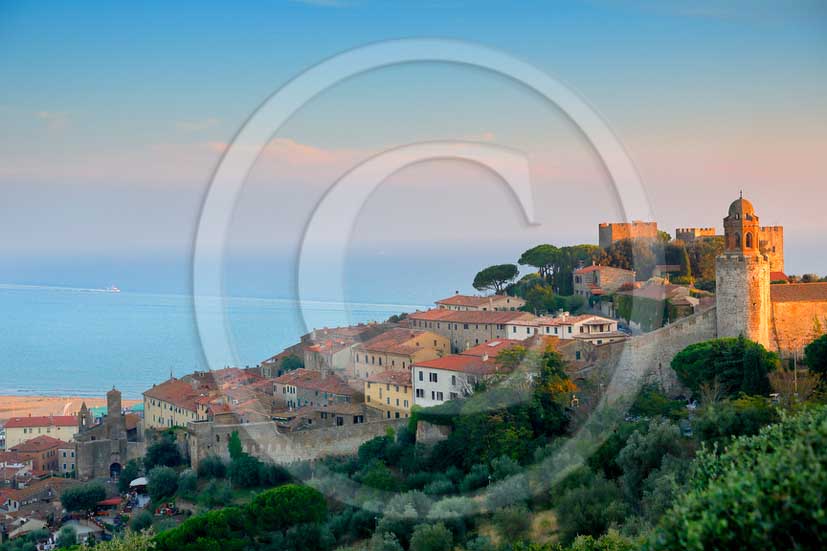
112,289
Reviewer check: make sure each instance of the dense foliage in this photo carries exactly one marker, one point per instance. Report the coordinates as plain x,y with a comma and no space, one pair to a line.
83,497
495,278
764,492
163,453
816,354
734,364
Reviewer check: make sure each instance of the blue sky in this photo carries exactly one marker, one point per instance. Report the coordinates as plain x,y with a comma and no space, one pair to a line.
115,116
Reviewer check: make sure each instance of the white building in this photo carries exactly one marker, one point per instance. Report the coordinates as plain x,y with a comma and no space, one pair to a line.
448,378
588,327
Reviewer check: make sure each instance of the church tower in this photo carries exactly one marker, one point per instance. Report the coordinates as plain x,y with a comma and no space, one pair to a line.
742,276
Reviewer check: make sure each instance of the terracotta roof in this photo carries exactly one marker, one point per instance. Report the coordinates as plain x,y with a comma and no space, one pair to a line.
469,300
778,276
13,457
131,420
176,392
654,291
329,345
391,377
491,348
311,379
568,320
38,444
461,363
479,316
43,421
395,341
597,268
799,292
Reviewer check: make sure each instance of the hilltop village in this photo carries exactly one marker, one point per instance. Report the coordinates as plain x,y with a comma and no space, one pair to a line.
630,303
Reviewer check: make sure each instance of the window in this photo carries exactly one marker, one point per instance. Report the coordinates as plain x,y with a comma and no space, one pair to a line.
433,377
406,403
528,330
454,380
439,396
454,396
465,326
569,329
380,360
420,376
514,329
419,394
434,342
577,354
368,397
396,415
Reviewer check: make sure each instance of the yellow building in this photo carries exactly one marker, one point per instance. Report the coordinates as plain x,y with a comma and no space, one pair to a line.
21,429
397,349
390,392
173,403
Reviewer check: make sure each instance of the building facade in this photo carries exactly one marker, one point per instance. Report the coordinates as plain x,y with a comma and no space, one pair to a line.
465,329
20,429
174,403
743,278
396,349
307,387
466,303
390,392
608,232
43,452
596,280
449,378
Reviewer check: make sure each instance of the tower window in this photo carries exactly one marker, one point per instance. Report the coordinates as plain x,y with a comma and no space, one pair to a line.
749,240
737,240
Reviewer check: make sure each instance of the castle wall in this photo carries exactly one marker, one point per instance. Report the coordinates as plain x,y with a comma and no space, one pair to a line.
647,358
796,324
263,440
689,235
743,297
771,243
608,233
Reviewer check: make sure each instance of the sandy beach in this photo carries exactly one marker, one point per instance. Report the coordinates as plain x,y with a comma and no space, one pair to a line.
20,406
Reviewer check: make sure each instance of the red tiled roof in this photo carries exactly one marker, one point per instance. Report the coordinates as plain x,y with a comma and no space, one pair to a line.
395,341
778,276
653,292
568,320
313,380
491,348
461,363
597,268
177,392
13,457
799,292
44,421
391,377
467,300
38,444
480,316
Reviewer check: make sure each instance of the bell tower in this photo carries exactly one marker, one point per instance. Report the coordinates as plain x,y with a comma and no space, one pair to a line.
742,277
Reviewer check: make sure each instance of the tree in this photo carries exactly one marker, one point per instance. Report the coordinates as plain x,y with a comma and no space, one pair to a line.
234,446
163,453
162,482
83,497
215,494
737,364
141,521
212,466
686,265
764,492
816,354
130,472
542,257
286,506
495,278
745,416
188,485
432,537
513,522
291,363
244,471
384,542
67,537
568,260
131,541
644,453
590,510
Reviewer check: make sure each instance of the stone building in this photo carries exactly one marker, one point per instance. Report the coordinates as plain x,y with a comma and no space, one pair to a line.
690,235
609,232
391,393
20,429
465,329
396,349
308,387
596,280
743,278
103,448
502,303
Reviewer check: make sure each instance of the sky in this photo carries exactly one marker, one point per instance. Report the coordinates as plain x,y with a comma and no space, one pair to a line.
115,118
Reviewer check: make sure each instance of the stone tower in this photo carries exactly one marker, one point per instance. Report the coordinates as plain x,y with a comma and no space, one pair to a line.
85,420
742,276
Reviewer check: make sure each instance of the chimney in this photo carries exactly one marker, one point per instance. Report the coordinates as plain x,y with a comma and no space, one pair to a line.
485,357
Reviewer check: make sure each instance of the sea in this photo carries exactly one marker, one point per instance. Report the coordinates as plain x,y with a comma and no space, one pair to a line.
72,341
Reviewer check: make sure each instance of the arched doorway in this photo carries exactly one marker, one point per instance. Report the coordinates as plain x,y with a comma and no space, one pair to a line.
114,470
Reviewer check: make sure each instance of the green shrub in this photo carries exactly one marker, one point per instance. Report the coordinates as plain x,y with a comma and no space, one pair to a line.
590,510
286,506
432,537
816,354
140,521
188,485
212,466
163,453
83,497
513,522
745,416
764,492
244,471
162,482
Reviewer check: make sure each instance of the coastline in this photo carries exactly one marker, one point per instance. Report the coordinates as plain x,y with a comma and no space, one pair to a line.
23,406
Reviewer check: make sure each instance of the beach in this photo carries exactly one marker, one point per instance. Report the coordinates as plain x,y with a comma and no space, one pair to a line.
22,406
